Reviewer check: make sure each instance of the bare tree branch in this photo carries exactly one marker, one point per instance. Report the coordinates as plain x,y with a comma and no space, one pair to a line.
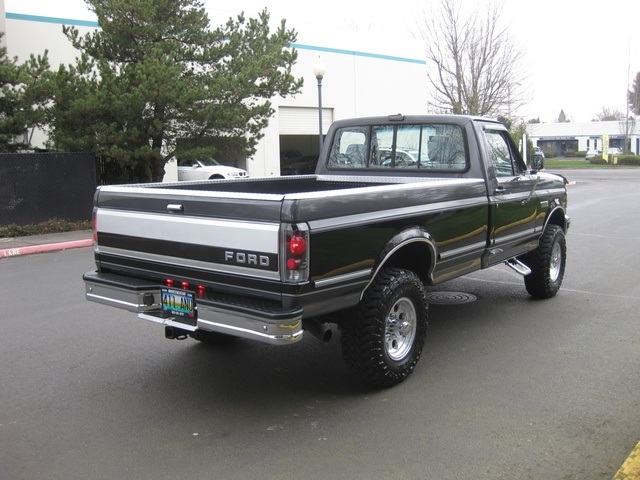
473,63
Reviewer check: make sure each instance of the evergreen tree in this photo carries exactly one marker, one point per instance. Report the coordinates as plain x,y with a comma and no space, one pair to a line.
562,118
155,73
9,100
22,98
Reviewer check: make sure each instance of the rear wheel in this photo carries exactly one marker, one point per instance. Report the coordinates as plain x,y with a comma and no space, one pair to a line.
547,264
383,340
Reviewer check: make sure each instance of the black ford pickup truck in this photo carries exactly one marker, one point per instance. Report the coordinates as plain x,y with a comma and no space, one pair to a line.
396,204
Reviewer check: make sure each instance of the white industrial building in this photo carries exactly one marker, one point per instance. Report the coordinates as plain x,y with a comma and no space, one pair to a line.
364,76
573,137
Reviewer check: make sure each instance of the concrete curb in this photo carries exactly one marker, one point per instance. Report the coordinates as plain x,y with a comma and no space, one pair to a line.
49,247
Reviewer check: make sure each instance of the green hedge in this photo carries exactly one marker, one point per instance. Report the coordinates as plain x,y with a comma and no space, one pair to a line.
50,226
574,154
629,160
597,161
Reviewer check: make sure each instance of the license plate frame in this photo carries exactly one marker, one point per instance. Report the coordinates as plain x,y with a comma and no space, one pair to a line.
179,305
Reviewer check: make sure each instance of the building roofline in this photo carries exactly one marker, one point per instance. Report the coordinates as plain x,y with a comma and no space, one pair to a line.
299,46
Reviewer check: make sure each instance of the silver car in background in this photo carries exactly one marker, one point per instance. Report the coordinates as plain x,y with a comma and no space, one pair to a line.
207,169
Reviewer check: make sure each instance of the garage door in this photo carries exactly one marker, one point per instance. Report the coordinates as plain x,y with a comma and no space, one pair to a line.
303,120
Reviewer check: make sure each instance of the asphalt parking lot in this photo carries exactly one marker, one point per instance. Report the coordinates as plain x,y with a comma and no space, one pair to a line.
507,387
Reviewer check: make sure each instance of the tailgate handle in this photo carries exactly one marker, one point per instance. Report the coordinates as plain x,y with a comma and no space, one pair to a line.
175,207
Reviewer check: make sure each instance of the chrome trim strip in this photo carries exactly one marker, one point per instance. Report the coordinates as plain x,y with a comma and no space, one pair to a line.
192,193
277,335
399,184
428,241
478,246
326,282
380,179
507,239
120,297
564,214
133,307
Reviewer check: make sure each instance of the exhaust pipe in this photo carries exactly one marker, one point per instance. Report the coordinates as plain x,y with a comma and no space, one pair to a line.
318,329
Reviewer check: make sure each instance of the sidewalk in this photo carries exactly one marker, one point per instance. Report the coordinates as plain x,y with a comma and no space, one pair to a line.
16,246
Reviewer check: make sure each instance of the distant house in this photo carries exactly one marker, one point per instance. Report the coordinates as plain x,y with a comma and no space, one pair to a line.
560,138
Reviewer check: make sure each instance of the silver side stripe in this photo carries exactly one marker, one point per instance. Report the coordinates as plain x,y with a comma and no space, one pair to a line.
236,235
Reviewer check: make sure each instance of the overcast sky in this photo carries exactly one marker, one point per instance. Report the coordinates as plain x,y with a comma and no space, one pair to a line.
581,55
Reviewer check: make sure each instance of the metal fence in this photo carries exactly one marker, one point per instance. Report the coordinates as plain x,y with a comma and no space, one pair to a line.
36,187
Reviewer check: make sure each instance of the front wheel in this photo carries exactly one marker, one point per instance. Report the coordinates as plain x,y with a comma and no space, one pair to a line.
383,340
547,264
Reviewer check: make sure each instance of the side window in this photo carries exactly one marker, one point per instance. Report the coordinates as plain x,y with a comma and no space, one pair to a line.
504,162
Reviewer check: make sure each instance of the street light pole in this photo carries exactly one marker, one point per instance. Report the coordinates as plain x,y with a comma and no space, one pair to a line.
319,71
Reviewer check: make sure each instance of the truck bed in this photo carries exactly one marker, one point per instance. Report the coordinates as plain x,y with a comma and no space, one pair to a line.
276,199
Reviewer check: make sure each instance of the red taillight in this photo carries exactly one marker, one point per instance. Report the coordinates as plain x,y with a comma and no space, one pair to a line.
293,263
202,290
185,285
169,282
297,245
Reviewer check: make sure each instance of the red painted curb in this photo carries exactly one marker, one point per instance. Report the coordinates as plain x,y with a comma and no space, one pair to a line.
50,247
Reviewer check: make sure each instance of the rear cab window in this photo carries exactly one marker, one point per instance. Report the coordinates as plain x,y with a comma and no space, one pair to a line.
419,147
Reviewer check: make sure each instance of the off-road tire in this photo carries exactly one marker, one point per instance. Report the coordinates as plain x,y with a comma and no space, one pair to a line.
547,263
383,339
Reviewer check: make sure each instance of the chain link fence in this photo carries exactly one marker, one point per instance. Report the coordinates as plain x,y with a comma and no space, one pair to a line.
37,187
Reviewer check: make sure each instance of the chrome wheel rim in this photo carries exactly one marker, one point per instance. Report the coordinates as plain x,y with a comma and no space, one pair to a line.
556,262
400,329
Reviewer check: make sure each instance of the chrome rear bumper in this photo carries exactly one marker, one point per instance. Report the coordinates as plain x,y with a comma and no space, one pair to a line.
143,298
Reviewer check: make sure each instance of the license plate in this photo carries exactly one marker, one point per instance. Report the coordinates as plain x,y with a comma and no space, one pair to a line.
179,304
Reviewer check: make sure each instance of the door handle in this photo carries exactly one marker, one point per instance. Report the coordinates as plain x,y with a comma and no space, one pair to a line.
500,190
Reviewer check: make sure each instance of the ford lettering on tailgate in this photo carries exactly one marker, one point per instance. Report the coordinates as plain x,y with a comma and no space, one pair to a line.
247,259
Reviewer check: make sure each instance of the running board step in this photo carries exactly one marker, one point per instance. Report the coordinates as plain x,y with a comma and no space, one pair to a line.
518,266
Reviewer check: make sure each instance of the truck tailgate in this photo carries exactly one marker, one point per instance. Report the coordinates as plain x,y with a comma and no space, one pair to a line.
199,237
